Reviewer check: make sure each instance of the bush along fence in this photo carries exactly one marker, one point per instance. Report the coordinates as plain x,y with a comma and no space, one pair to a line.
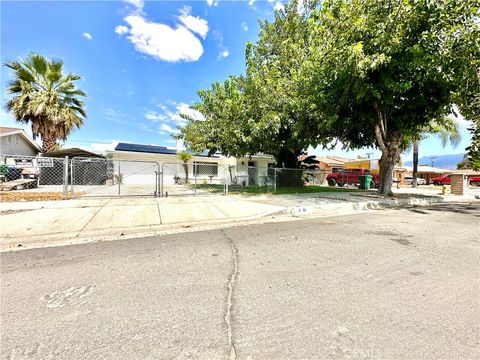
37,177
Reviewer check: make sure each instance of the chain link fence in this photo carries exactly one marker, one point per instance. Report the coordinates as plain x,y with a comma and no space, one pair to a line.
37,178
32,178
106,177
195,178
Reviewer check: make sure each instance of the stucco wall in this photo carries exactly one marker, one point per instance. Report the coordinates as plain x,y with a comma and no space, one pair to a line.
16,145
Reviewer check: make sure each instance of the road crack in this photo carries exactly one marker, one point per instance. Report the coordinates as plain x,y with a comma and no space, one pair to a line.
231,285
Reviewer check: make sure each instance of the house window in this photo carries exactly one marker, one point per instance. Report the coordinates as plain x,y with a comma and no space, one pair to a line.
9,138
205,168
16,139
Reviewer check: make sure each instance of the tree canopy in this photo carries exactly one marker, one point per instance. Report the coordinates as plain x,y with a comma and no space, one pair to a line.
45,98
362,72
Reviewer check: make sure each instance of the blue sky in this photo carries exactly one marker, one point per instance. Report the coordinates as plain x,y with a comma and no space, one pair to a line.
143,62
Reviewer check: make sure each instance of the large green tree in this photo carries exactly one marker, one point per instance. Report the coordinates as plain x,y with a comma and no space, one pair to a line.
382,70
45,98
268,109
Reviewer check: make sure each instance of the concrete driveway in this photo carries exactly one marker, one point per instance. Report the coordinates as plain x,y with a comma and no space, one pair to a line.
389,284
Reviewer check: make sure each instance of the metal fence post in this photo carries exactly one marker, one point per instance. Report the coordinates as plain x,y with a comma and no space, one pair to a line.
195,177
71,176
226,182
65,178
119,179
161,180
274,179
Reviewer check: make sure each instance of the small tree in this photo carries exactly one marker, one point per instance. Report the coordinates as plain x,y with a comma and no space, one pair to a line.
185,157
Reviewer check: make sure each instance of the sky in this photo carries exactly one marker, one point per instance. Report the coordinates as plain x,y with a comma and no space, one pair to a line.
142,62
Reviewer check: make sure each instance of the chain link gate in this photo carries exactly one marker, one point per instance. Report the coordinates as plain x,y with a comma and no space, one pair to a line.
197,178
90,177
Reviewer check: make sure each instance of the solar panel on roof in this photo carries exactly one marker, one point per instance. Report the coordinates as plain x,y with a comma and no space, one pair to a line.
144,148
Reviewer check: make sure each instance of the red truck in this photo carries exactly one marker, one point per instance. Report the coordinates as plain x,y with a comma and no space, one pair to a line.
444,180
475,180
350,176
447,180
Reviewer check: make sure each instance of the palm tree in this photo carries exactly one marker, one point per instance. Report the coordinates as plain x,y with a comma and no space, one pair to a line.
185,157
45,98
448,132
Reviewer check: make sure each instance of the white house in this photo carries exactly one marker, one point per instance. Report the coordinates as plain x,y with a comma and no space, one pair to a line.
15,141
249,170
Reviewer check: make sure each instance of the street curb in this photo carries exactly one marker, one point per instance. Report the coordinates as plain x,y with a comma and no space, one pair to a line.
348,207
286,214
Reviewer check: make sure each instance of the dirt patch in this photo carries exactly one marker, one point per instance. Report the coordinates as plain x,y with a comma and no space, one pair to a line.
32,196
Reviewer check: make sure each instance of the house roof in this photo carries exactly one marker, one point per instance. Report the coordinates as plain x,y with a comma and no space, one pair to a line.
9,129
72,153
428,169
329,161
153,149
6,131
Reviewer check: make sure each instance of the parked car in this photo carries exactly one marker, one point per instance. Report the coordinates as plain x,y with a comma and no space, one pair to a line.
474,180
408,180
445,180
351,176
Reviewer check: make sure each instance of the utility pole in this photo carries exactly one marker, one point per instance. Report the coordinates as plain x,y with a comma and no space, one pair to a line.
432,159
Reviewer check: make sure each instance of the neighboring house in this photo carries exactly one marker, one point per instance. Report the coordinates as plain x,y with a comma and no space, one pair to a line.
243,171
15,141
331,163
399,172
428,172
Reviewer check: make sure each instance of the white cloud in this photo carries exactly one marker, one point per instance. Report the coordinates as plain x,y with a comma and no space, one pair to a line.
251,2
225,53
121,29
168,129
137,3
278,6
102,147
169,117
144,127
163,42
183,108
154,116
212,2
87,36
196,24
244,26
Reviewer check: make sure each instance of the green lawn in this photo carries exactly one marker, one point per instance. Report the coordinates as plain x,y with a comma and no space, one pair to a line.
214,188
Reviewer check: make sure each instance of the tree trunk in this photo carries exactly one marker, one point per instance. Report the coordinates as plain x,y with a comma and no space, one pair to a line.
287,158
415,162
389,142
387,165
49,144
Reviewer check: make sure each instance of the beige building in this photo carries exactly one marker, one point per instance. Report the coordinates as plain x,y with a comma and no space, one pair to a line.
14,141
247,171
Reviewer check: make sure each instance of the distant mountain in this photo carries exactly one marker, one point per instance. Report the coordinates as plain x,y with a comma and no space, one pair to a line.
449,161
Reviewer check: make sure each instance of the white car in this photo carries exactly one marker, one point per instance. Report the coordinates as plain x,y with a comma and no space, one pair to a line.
407,180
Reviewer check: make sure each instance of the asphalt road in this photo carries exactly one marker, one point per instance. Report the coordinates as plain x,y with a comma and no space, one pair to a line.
392,284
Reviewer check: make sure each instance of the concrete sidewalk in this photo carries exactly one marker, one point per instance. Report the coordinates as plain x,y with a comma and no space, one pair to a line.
29,223
50,223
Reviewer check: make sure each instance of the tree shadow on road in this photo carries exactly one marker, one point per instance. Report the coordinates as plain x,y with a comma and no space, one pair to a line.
459,208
